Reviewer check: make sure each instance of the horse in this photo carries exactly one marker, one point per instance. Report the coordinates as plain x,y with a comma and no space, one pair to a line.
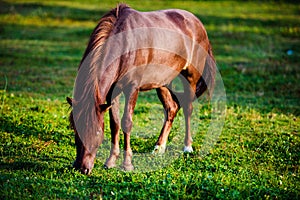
130,52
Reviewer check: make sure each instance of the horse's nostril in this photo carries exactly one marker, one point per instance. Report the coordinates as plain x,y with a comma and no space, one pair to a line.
85,171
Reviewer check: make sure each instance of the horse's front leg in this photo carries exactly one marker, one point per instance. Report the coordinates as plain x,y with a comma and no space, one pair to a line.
130,102
115,128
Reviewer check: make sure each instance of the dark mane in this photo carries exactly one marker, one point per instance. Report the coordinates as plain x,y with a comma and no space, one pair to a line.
86,94
103,29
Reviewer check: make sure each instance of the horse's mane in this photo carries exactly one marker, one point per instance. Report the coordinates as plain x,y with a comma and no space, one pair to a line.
87,76
86,93
103,29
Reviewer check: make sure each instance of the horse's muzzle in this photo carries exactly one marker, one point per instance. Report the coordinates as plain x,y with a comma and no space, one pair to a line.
83,168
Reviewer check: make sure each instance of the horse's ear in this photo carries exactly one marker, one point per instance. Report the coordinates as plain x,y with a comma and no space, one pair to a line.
69,100
104,107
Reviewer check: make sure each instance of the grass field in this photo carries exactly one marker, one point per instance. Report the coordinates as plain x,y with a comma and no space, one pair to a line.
257,156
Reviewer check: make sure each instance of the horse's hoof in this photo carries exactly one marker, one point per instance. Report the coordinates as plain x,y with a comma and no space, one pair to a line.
188,149
106,166
159,149
128,167
109,165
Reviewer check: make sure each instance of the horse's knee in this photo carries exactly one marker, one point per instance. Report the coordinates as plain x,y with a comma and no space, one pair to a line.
188,109
172,111
126,124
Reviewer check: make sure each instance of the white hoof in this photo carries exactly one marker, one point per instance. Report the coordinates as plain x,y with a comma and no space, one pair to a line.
159,149
188,149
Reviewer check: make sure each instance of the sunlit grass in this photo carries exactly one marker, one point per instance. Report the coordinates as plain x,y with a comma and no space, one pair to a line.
44,22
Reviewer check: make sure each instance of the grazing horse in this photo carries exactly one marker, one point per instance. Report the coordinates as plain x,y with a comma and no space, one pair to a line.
128,52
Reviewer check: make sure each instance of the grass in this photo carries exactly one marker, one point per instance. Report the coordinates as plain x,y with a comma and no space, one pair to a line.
256,156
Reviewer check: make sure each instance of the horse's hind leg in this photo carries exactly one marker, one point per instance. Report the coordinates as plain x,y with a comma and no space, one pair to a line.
187,110
114,127
186,100
171,107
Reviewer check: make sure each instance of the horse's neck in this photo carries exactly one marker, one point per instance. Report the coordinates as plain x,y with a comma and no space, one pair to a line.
106,80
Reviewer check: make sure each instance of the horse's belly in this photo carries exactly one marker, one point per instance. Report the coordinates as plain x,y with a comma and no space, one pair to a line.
154,76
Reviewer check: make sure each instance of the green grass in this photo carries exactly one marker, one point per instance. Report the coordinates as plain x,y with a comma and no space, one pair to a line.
256,157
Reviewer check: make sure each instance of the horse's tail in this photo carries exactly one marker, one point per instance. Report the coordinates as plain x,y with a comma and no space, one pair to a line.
207,80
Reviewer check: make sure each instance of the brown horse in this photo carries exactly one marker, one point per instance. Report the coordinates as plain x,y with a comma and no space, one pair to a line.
131,51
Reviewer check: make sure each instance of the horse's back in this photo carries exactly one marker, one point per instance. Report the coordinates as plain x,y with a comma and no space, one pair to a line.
154,40
177,20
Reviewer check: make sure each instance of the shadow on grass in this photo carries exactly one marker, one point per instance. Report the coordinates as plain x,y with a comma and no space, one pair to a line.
25,165
39,164
28,129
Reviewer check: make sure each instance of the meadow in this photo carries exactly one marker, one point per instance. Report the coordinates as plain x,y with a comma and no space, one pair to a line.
257,155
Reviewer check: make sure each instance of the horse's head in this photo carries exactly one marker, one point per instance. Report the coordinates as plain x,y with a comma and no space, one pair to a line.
89,133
